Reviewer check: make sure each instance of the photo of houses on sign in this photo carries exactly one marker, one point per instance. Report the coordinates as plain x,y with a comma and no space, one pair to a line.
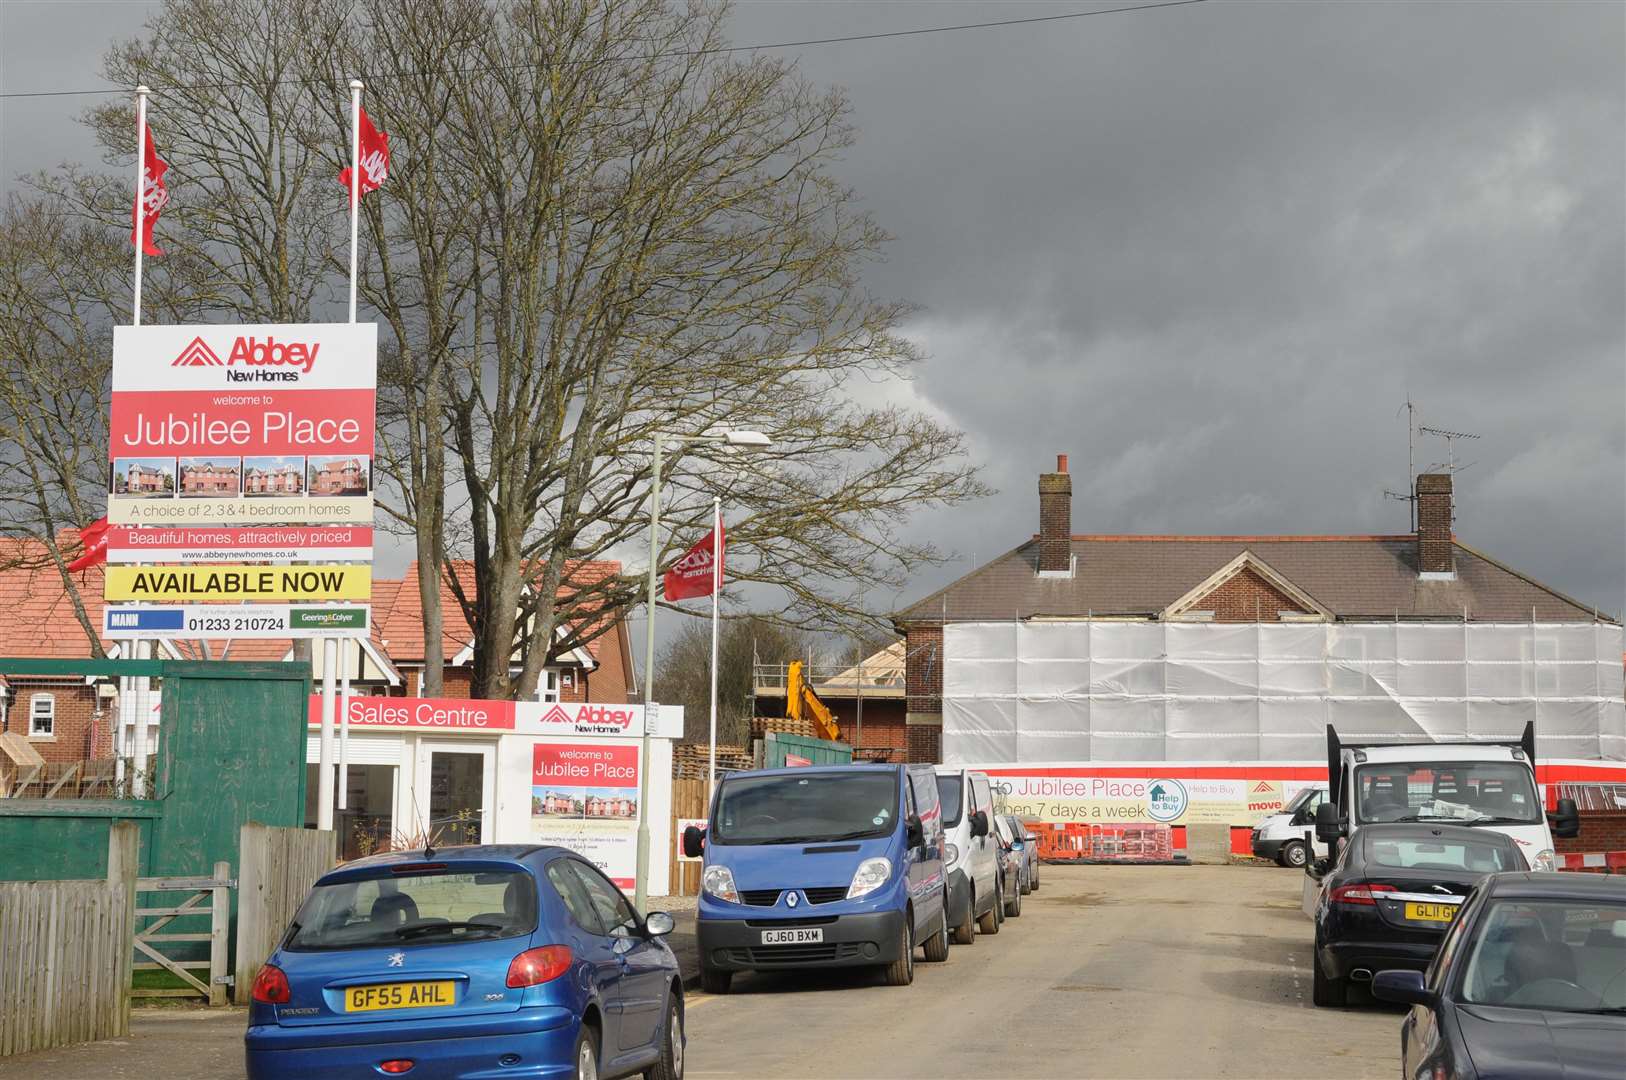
216,477
583,803
340,475
148,478
264,476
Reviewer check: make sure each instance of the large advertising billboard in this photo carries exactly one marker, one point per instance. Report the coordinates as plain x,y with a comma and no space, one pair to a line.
242,425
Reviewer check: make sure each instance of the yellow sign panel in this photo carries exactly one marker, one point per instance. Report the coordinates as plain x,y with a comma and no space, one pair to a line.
238,583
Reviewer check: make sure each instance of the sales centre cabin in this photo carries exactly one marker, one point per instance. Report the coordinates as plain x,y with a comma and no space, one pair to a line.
1082,669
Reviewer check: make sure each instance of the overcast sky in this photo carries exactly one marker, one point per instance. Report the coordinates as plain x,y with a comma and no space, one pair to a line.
1208,252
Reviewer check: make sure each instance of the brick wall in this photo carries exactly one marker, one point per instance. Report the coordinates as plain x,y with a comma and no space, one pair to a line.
1601,830
923,669
82,728
925,744
1247,597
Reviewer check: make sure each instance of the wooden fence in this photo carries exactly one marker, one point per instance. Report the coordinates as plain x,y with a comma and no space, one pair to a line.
65,956
277,868
688,801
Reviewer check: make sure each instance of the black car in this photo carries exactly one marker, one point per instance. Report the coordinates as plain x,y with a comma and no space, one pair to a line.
1393,892
1530,982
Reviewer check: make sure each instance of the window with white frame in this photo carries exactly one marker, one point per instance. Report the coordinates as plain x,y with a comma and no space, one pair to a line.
42,715
547,687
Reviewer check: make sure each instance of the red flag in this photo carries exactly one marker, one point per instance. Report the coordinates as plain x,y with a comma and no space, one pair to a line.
154,195
93,538
375,157
692,575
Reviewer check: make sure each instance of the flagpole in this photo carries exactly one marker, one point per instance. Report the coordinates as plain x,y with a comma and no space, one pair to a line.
716,587
355,184
140,216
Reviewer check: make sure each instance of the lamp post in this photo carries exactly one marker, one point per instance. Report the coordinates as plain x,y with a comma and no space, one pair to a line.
754,440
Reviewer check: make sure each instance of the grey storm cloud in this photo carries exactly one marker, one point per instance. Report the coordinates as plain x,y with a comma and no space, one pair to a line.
1209,251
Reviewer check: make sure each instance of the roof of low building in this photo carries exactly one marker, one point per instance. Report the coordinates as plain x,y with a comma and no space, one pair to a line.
1350,577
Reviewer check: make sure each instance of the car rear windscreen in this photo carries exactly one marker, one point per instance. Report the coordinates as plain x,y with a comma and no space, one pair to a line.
403,908
1472,856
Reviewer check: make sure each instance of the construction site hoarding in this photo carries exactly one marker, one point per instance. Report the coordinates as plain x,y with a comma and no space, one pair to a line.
1117,691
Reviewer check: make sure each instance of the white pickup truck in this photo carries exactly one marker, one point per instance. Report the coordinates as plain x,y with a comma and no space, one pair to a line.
1490,785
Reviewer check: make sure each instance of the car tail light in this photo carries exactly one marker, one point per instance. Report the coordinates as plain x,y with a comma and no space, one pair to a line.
395,1066
1364,893
536,966
271,986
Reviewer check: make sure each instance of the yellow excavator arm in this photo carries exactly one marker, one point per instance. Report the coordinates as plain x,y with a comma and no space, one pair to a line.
801,701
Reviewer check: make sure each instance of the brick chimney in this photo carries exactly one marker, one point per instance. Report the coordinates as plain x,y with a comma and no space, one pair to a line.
1434,550
1056,520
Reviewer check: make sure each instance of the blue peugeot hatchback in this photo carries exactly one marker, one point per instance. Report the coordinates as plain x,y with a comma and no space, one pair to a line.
481,963
810,867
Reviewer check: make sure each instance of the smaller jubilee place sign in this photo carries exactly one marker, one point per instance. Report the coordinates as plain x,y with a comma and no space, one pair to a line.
237,621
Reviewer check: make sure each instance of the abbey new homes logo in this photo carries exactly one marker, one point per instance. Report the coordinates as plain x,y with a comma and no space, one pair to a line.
590,719
264,361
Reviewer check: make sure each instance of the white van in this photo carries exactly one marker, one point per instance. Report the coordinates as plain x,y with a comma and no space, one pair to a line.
972,854
1282,835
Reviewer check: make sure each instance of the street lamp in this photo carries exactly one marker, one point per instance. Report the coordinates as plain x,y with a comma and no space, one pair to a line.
750,440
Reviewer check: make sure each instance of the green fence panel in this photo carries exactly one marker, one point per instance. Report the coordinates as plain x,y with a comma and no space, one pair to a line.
66,839
780,750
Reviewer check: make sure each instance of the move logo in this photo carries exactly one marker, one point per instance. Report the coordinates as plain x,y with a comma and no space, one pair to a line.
198,354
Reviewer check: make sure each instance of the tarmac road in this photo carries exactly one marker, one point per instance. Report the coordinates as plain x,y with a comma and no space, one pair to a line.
1111,971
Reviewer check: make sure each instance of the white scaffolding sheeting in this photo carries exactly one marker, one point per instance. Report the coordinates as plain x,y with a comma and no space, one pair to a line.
1098,690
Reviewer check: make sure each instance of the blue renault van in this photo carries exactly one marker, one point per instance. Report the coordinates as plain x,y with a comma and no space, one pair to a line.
821,867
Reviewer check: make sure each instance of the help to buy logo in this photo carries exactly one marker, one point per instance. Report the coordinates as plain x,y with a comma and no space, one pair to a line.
250,352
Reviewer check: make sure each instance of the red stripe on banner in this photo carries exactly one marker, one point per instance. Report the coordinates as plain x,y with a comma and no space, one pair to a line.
1176,770
162,423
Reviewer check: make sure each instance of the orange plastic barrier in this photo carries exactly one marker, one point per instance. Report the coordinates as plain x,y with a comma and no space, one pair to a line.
1079,842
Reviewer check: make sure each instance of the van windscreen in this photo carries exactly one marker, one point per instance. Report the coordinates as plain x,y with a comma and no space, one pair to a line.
805,807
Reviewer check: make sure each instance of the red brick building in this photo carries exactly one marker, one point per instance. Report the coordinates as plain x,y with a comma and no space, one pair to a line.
209,479
283,480
343,477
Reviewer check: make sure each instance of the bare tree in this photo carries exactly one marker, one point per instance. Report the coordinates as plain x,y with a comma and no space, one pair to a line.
600,225
683,671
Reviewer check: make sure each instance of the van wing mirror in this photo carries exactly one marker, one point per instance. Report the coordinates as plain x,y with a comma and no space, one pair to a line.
914,832
1328,828
694,842
979,823
1567,820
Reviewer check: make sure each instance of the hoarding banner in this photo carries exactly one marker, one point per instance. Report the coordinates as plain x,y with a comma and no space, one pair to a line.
1075,795
174,584
193,543
524,717
584,796
443,714
236,621
242,424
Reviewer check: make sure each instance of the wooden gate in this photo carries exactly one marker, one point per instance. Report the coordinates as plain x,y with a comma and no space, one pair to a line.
206,913
279,866
688,801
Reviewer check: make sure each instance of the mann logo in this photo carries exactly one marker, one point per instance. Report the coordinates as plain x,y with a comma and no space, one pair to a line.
198,354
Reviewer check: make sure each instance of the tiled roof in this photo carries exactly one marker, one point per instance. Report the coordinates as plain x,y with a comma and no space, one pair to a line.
404,628
1353,577
36,615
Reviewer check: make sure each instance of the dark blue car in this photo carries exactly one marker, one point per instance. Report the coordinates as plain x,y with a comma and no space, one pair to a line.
482,963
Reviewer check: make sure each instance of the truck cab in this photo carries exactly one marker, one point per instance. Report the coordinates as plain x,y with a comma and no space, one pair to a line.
1288,836
1489,785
